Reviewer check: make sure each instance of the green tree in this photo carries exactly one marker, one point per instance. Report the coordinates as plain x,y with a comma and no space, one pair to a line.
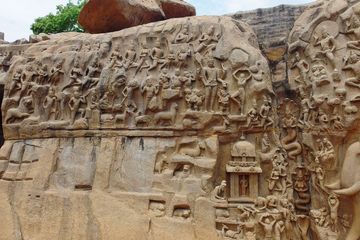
65,19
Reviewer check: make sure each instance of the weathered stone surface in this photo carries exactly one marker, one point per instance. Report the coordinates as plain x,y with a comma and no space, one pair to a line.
100,16
173,130
272,27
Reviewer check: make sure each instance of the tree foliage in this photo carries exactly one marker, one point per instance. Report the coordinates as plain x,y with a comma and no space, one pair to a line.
65,19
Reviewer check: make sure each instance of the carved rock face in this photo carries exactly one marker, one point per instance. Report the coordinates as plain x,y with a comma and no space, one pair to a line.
174,130
100,16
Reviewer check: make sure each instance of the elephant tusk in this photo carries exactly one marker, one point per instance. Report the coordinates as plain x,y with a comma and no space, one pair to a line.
334,186
354,189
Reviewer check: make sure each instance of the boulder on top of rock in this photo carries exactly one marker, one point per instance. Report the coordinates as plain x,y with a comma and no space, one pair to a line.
100,16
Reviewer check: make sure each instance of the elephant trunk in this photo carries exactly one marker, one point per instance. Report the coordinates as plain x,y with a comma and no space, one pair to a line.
354,233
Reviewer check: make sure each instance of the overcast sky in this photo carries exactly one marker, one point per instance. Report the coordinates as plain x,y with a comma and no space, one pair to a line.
16,16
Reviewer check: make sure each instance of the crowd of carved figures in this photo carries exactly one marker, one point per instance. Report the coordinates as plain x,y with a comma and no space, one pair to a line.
304,200
172,80
169,80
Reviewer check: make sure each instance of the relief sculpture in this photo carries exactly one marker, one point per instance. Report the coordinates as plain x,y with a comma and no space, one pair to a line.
177,129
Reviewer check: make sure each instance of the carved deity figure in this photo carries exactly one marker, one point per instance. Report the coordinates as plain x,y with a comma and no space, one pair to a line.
130,56
302,66
92,74
265,113
253,115
128,93
74,104
142,63
208,40
239,95
150,89
50,104
157,55
353,64
16,83
327,45
76,75
184,35
224,98
56,73
211,78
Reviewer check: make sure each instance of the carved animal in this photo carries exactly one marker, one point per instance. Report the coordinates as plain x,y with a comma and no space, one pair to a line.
20,112
350,186
290,143
194,151
182,213
166,116
144,119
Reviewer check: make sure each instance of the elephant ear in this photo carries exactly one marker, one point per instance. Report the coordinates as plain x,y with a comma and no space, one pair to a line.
354,189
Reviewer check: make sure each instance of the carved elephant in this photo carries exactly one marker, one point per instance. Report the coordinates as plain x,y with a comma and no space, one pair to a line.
350,186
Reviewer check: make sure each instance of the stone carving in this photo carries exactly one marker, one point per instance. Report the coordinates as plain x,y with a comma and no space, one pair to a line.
325,76
178,126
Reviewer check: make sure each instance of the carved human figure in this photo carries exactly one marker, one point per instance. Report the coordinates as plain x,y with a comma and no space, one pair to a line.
128,93
175,80
353,64
265,113
319,75
38,93
184,35
74,104
239,95
334,204
194,98
130,56
306,107
50,104
16,83
224,98
150,89
42,74
165,78
353,24
278,230
208,40
265,143
157,55
92,74
278,178
267,222
104,48
170,60
327,45
226,232
182,56
76,74
188,79
219,192
253,115
302,66
244,186
56,73
211,78
144,53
